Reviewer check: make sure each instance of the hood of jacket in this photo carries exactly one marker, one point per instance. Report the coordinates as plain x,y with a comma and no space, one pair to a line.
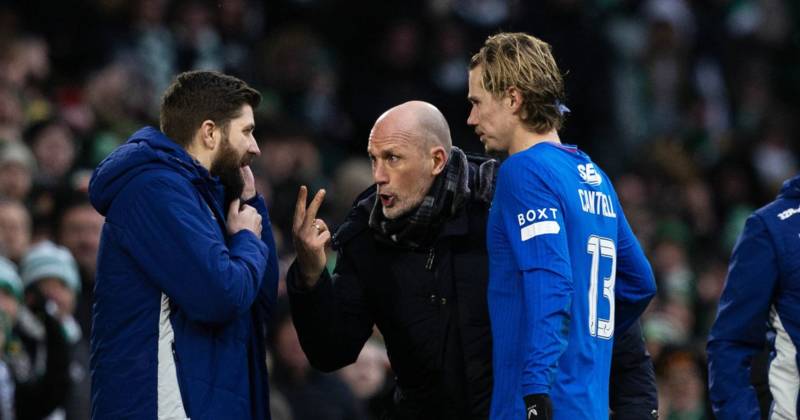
147,149
791,188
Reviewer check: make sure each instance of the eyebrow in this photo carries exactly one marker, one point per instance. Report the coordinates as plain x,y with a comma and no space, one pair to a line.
385,152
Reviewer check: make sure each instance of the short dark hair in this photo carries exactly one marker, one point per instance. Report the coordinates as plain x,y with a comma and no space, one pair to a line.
196,96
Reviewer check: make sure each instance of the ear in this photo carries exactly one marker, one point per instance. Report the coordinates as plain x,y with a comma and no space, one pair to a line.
514,99
439,157
208,134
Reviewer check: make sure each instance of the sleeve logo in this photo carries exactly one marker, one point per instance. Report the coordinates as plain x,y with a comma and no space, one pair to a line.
538,222
589,174
788,213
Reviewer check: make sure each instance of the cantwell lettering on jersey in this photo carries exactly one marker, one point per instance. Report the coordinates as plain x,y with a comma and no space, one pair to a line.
539,222
596,202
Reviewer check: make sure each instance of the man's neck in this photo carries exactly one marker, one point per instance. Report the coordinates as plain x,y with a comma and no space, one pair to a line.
202,156
525,139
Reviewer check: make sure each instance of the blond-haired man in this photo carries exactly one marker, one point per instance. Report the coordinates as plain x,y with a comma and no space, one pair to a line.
566,272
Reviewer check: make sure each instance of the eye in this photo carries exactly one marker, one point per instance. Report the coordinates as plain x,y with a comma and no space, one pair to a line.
393,158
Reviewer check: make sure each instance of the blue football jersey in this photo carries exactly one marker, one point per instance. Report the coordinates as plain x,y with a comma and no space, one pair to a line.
565,271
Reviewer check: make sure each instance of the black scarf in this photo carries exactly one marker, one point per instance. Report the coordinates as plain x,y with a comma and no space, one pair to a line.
449,191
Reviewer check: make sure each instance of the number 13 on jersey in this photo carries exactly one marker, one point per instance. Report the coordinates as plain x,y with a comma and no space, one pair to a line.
598,248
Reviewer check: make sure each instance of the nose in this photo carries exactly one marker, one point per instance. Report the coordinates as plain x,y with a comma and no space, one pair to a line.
253,148
379,174
472,119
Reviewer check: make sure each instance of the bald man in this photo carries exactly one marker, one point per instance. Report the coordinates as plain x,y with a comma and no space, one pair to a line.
411,260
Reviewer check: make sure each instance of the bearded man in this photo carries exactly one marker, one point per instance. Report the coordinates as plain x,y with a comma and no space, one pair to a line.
187,269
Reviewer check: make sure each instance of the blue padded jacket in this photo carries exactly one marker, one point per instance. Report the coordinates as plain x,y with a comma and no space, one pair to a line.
181,307
760,304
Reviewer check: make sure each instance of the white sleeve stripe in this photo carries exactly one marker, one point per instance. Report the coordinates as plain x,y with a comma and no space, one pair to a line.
540,228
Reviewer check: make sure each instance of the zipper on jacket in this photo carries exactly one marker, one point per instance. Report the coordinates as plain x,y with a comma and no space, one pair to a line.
431,257
182,391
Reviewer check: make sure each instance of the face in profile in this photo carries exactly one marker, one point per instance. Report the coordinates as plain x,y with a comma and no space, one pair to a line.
237,148
488,116
400,169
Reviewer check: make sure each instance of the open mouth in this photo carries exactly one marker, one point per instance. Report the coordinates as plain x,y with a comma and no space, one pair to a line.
386,199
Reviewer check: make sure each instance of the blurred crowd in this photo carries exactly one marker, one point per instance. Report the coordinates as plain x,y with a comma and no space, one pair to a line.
689,105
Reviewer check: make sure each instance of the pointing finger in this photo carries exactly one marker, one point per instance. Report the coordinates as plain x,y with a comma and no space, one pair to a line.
300,208
311,213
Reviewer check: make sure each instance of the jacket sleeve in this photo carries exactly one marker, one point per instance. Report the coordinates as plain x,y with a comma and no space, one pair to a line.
172,236
739,331
332,319
635,282
632,388
268,293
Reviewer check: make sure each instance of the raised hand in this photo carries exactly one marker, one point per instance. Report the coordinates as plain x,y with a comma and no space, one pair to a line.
243,217
311,236
249,190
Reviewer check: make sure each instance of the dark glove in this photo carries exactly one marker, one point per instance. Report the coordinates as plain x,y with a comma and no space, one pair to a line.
538,407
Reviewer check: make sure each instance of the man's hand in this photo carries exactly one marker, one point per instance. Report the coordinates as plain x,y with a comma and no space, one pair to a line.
538,407
311,236
249,190
243,217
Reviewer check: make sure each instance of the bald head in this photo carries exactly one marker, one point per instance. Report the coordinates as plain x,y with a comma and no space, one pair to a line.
422,123
409,146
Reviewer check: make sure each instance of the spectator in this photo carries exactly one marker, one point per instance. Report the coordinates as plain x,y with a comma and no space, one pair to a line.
38,355
49,272
17,168
301,384
10,295
369,378
55,149
79,228
15,229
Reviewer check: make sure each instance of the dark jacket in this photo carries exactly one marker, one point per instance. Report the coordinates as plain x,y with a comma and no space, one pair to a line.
429,304
180,306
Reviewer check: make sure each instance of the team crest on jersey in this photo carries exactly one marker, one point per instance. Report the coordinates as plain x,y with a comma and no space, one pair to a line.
589,174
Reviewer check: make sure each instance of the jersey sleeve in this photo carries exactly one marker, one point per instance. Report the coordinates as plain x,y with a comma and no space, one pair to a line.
533,221
635,284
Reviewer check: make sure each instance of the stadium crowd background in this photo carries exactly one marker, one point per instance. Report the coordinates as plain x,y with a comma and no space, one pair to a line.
689,105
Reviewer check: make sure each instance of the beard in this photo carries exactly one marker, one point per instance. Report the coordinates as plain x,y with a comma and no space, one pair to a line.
227,166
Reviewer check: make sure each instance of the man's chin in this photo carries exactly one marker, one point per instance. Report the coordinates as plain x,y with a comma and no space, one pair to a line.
495,151
394,213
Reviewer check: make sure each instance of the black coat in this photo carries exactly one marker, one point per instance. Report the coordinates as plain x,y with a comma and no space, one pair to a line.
430,305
